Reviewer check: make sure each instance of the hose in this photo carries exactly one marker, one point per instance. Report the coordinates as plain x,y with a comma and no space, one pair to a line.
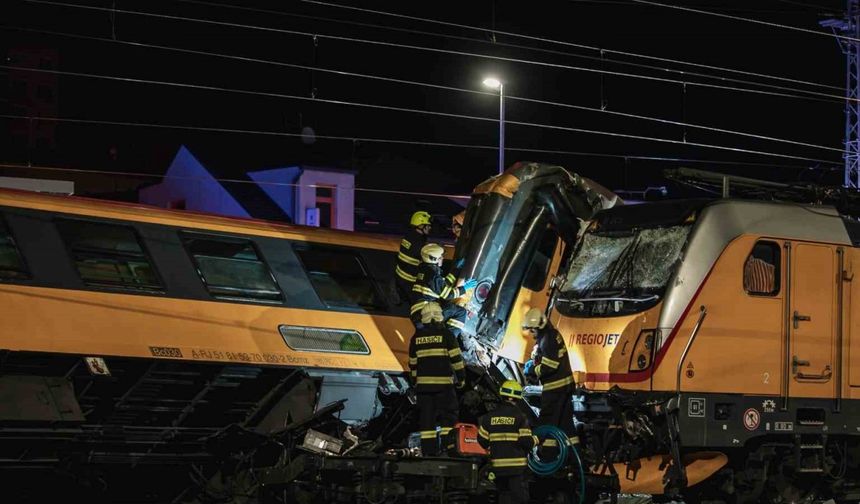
542,468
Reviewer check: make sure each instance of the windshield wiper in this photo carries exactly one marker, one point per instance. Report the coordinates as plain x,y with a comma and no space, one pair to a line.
589,300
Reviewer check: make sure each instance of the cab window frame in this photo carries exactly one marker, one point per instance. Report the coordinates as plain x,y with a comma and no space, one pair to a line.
776,251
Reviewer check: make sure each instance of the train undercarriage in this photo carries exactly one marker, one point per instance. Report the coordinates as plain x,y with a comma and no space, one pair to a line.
155,430
158,431
635,439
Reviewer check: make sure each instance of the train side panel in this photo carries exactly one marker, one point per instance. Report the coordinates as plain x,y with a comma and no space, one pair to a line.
100,324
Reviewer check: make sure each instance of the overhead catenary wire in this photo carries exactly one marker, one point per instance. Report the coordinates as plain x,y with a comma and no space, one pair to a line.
720,8
817,96
744,19
430,85
807,5
563,43
224,180
423,143
411,110
496,43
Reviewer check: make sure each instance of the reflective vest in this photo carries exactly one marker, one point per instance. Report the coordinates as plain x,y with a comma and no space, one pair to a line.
553,365
505,432
431,285
434,359
409,256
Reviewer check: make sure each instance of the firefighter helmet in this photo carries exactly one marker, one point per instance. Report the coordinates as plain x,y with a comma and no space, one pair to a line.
511,388
432,253
534,318
431,312
420,218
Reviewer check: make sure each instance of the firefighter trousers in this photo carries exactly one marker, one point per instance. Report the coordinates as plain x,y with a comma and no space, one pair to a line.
556,408
512,489
437,408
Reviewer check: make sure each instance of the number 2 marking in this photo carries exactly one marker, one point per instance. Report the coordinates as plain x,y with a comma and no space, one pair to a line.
766,378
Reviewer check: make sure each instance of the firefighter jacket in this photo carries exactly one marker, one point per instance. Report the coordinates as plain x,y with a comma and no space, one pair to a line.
409,256
434,359
506,434
553,365
431,285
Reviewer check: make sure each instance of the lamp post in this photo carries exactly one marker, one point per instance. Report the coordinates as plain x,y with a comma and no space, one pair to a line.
494,83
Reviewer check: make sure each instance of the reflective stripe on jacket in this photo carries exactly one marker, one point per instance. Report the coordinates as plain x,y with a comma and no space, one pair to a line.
409,255
505,432
553,368
434,358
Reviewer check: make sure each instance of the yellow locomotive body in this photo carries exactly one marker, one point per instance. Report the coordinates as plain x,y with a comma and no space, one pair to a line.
741,330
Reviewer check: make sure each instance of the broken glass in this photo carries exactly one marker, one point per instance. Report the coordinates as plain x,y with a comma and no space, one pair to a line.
629,267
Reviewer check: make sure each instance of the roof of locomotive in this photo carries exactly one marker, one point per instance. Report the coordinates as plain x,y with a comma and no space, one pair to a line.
785,219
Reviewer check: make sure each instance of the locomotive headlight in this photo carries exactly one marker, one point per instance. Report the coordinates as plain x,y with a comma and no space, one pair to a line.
482,291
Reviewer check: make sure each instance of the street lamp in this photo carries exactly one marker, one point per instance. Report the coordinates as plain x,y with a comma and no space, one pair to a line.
494,83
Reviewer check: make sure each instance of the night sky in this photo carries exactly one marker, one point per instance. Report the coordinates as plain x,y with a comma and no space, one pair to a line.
618,25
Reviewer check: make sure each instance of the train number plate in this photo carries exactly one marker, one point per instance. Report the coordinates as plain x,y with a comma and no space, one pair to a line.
162,351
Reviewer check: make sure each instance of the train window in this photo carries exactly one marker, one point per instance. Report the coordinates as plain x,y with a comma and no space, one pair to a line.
108,255
340,278
761,269
536,274
11,263
232,268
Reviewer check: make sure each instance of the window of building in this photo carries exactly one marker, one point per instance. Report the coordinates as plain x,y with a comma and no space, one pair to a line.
109,255
11,263
232,268
340,278
761,269
325,203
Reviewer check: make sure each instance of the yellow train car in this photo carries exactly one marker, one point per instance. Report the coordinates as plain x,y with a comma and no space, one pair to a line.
132,333
715,343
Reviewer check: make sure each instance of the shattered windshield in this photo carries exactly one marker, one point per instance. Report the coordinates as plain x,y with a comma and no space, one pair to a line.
622,271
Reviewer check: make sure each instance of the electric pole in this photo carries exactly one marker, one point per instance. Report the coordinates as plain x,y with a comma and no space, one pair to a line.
849,26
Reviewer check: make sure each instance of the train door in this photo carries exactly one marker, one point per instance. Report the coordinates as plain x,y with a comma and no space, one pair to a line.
811,314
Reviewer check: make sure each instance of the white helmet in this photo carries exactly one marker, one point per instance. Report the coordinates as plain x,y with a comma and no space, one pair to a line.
534,318
432,253
431,312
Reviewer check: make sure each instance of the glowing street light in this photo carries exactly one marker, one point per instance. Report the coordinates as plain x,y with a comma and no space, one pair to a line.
494,83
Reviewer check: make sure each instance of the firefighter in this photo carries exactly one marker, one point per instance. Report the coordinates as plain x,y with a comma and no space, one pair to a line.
409,256
431,286
505,432
434,360
457,224
552,368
